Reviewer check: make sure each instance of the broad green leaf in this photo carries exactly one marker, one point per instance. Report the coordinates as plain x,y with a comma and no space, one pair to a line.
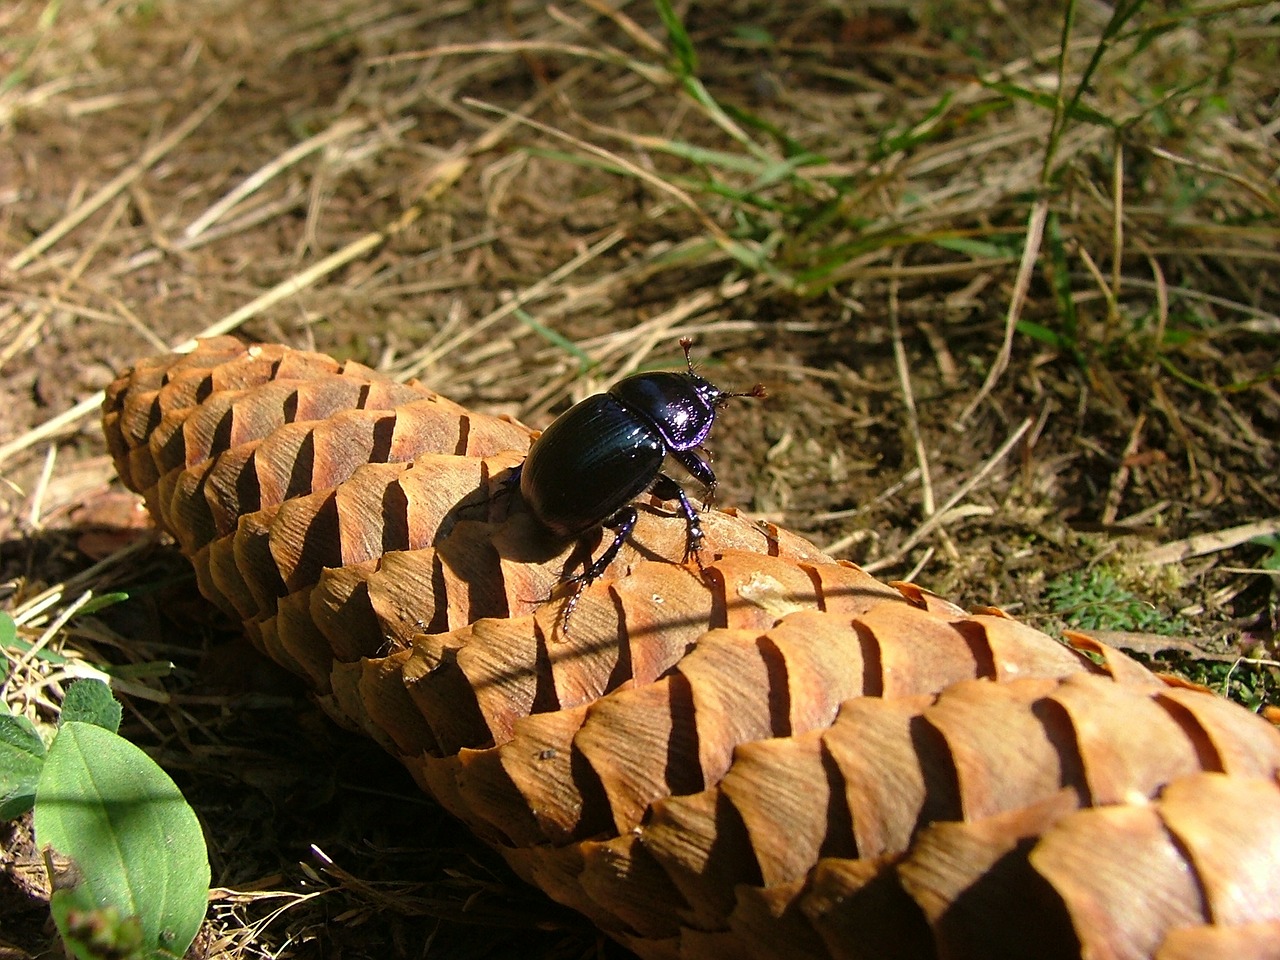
136,844
94,933
21,759
90,701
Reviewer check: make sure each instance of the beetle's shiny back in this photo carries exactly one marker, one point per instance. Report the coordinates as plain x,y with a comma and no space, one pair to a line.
679,406
591,461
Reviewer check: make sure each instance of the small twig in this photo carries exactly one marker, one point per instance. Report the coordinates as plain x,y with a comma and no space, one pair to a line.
927,527
1021,284
1162,300
42,486
444,175
608,55
1205,543
121,180
51,427
723,240
441,177
637,33
266,172
291,286
1263,321
887,493
658,328
281,291
942,357
49,633
31,610
1210,170
1117,237
1120,479
920,565
65,283
535,292
909,398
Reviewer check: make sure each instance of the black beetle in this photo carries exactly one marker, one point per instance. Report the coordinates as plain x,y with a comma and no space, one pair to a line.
598,456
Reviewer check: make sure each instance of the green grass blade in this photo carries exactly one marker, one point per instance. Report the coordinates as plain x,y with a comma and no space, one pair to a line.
921,132
1072,111
1060,279
556,339
681,45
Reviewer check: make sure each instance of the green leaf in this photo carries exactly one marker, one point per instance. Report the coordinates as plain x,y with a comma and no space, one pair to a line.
94,933
984,249
1060,279
135,843
1038,331
1269,542
790,146
1094,600
22,755
921,132
90,701
551,336
8,638
101,602
1073,111
754,33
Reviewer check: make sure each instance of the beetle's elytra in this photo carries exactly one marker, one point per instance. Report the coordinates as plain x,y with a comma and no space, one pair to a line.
598,456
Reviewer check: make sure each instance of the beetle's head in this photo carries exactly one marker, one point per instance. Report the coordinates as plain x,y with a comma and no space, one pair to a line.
707,390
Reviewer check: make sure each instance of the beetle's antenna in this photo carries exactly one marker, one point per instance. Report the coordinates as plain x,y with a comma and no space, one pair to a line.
757,391
686,343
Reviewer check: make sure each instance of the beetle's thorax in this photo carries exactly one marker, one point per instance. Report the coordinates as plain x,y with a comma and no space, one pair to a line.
681,407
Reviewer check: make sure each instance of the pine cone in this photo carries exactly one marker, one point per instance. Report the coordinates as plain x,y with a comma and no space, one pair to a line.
780,757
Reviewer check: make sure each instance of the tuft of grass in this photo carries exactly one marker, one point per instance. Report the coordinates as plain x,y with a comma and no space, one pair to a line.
1250,682
1093,599
813,216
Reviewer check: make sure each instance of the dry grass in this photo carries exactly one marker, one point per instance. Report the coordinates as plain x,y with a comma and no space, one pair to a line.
1011,332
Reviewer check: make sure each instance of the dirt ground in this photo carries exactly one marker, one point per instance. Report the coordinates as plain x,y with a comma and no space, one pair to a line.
1020,348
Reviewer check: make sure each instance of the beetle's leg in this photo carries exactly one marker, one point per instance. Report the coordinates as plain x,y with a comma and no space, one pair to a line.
501,491
668,489
622,522
512,480
700,470
510,483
